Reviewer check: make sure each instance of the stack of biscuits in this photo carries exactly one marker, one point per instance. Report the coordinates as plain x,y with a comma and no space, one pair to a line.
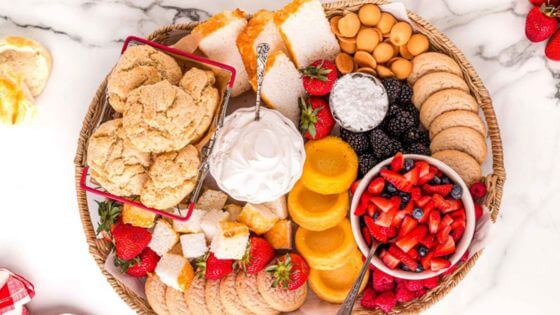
450,113
149,152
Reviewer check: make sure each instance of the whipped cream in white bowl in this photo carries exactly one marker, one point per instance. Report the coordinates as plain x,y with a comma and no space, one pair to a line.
257,160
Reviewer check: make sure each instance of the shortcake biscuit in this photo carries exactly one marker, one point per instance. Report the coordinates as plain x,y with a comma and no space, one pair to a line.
246,287
462,139
139,65
159,117
155,294
282,300
167,197
176,304
467,167
433,62
115,163
212,294
433,82
195,297
457,118
444,101
229,298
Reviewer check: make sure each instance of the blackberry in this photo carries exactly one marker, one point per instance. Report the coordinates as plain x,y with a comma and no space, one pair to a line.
409,107
383,146
456,192
393,110
417,148
393,88
413,135
359,141
406,93
399,123
366,162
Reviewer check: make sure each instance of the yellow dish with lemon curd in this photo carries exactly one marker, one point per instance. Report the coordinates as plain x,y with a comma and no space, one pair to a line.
314,211
331,166
328,249
333,285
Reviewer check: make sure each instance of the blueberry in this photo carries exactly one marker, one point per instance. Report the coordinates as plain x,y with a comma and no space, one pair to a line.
419,268
408,164
405,198
422,251
405,268
445,180
456,192
390,188
376,215
417,213
435,181
386,195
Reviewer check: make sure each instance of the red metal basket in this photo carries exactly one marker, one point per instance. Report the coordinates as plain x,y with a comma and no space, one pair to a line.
205,151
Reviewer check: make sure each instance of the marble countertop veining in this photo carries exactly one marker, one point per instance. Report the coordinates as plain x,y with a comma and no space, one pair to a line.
40,232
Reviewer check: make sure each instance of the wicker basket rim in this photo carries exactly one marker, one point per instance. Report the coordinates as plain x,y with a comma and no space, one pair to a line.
99,249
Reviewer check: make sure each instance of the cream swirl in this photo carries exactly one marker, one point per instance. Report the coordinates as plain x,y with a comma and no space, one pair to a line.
257,160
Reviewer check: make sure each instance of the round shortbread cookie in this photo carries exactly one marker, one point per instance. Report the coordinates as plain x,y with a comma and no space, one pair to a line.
176,304
159,117
155,294
139,65
433,82
115,163
200,85
462,139
467,167
248,292
433,62
444,101
457,118
213,302
283,300
195,297
229,298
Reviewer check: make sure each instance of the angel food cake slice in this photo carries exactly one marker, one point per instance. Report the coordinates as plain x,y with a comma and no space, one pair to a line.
306,32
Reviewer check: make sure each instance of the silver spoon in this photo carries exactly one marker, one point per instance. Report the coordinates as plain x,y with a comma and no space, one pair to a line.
262,55
348,304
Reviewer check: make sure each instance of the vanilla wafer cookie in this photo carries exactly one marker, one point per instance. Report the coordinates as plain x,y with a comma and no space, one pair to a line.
457,118
280,299
462,139
195,297
229,298
248,292
155,294
176,304
431,62
462,163
434,82
213,302
445,101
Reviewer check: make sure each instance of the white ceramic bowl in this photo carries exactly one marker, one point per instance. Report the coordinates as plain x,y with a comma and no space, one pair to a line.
461,247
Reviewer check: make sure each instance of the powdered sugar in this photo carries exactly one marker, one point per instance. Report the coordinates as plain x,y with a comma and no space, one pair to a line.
359,102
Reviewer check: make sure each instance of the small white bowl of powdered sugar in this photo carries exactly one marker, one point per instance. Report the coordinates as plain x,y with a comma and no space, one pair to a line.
359,102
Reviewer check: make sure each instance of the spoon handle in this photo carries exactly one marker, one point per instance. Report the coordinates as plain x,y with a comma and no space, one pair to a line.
346,307
262,54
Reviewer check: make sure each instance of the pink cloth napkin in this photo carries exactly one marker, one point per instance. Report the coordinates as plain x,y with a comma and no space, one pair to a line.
15,291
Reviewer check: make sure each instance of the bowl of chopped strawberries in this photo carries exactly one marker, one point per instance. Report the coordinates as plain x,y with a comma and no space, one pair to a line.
420,213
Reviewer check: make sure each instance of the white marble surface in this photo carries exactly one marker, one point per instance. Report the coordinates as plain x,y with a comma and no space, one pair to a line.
40,231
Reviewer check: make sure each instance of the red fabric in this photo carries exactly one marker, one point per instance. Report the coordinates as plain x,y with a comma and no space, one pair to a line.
16,292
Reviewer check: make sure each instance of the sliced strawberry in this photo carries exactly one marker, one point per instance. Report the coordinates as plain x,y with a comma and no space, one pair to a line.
382,203
446,248
397,163
386,218
433,221
376,186
427,210
413,253
427,260
389,260
396,201
361,208
398,219
380,233
415,193
428,241
408,225
443,234
366,235
457,233
439,263
442,190
447,220
423,201
453,205
412,176
458,215
397,180
446,205
423,168
403,257
428,177
354,186
371,209
412,238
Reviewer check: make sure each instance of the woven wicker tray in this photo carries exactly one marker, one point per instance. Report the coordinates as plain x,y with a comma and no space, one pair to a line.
168,35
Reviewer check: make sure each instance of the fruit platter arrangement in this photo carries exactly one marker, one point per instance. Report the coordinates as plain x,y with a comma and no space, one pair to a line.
371,169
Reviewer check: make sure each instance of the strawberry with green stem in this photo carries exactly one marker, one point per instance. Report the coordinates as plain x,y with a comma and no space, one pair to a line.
258,254
138,266
109,212
290,271
210,267
316,120
541,23
319,77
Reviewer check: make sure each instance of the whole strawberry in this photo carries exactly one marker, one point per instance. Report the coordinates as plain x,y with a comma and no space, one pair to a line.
259,253
541,23
319,77
130,240
316,119
541,2
140,265
213,268
290,271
